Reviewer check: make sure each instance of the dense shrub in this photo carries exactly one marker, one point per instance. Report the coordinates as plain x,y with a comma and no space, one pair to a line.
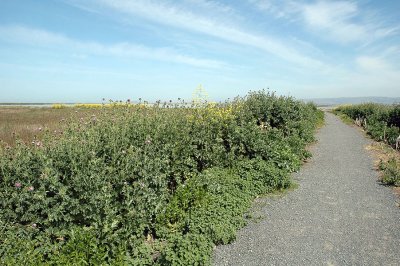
382,121
144,185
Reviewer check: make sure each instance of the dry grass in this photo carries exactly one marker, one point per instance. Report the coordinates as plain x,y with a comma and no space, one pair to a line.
27,123
383,153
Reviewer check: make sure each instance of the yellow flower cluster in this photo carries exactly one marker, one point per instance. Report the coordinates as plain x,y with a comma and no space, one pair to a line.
224,113
58,106
89,105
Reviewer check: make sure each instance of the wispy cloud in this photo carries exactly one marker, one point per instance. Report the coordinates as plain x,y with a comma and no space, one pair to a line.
375,72
344,22
372,63
32,36
339,21
335,17
281,9
219,27
40,37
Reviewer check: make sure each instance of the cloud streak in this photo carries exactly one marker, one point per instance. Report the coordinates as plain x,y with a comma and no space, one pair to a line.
339,21
220,28
43,38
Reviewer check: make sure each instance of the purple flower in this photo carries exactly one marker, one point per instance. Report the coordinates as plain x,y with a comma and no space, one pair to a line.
31,188
34,225
18,185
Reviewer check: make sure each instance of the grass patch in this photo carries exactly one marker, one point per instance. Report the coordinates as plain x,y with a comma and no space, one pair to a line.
347,120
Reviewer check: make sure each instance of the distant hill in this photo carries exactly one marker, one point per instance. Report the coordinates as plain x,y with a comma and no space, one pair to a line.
352,100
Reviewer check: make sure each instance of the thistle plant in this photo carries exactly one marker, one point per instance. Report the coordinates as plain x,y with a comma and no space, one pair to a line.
148,184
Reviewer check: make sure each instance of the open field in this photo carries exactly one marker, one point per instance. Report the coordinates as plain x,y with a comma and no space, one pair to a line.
28,123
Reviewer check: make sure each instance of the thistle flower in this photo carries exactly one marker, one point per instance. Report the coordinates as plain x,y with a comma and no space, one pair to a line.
148,141
31,188
17,184
34,225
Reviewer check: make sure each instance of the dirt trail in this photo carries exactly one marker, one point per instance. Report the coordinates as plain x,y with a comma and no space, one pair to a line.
339,215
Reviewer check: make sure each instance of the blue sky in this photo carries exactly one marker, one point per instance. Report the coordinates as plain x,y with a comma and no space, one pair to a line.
86,50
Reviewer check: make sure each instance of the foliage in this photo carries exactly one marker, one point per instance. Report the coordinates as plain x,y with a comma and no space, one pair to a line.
382,121
58,106
391,172
144,185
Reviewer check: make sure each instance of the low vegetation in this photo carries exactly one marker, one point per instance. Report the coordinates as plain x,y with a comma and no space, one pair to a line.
382,123
140,185
28,123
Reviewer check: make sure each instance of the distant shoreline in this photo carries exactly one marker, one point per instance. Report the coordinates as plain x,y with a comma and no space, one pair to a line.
321,102
34,104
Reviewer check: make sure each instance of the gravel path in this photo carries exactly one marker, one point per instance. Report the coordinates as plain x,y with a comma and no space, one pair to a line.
339,215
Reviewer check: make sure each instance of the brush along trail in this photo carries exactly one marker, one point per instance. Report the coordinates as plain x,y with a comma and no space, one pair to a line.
339,215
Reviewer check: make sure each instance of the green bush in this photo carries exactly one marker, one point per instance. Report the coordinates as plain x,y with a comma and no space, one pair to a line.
382,121
144,185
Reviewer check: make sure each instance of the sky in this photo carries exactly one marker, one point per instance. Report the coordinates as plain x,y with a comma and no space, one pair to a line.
87,50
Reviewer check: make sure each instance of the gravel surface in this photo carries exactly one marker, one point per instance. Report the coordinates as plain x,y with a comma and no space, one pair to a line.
339,215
